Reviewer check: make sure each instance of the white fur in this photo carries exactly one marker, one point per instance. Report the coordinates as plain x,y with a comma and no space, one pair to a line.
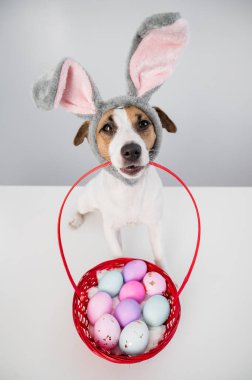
121,204
125,134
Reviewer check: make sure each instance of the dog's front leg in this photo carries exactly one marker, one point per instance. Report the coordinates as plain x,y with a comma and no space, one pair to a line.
113,237
156,236
86,203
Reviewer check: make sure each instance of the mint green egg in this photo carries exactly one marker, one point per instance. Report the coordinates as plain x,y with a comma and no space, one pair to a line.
156,310
111,282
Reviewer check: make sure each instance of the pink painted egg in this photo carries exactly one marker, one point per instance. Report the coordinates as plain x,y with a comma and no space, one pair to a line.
106,332
134,270
154,283
132,289
101,303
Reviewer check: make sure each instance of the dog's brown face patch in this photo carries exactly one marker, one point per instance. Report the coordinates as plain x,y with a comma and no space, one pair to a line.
106,129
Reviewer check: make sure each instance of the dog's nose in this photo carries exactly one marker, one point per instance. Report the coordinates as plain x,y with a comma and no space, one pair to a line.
131,152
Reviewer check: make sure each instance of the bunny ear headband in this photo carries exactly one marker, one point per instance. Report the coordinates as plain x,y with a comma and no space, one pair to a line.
154,52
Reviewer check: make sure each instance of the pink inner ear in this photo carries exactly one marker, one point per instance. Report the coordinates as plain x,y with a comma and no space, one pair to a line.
74,89
155,57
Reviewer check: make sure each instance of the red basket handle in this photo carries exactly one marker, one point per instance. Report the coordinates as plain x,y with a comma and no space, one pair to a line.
103,166
198,221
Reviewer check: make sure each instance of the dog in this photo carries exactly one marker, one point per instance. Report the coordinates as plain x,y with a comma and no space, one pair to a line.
125,136
125,130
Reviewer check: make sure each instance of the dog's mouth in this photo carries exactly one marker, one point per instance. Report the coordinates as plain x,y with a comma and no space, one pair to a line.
132,170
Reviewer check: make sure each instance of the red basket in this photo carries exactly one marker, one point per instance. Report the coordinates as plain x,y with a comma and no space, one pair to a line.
89,279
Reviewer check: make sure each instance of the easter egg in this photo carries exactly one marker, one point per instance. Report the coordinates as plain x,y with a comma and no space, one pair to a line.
134,270
106,332
154,283
134,338
111,282
156,310
127,311
101,303
132,289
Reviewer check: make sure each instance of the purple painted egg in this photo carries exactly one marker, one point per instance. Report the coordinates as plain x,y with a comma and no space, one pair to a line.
127,311
134,290
134,270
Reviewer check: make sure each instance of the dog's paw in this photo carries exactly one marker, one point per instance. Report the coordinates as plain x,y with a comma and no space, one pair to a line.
77,221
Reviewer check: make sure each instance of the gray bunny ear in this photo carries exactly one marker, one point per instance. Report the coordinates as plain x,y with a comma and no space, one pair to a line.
68,85
154,52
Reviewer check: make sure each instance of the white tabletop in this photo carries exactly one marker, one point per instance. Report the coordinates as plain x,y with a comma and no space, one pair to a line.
37,337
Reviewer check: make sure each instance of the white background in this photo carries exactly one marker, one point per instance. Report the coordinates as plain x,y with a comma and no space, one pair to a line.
208,97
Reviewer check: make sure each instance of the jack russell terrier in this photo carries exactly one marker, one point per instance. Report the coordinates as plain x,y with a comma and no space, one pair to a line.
125,130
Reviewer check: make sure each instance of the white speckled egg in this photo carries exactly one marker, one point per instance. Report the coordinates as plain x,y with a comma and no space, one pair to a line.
154,283
106,332
111,282
134,338
156,310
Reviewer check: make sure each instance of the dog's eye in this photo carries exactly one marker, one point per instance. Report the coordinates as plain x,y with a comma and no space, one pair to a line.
143,124
108,129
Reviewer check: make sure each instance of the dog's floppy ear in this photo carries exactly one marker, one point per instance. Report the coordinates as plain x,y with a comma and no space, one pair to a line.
166,122
81,134
68,85
156,47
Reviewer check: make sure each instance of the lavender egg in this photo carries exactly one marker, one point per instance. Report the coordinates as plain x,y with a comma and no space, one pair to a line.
127,311
134,270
